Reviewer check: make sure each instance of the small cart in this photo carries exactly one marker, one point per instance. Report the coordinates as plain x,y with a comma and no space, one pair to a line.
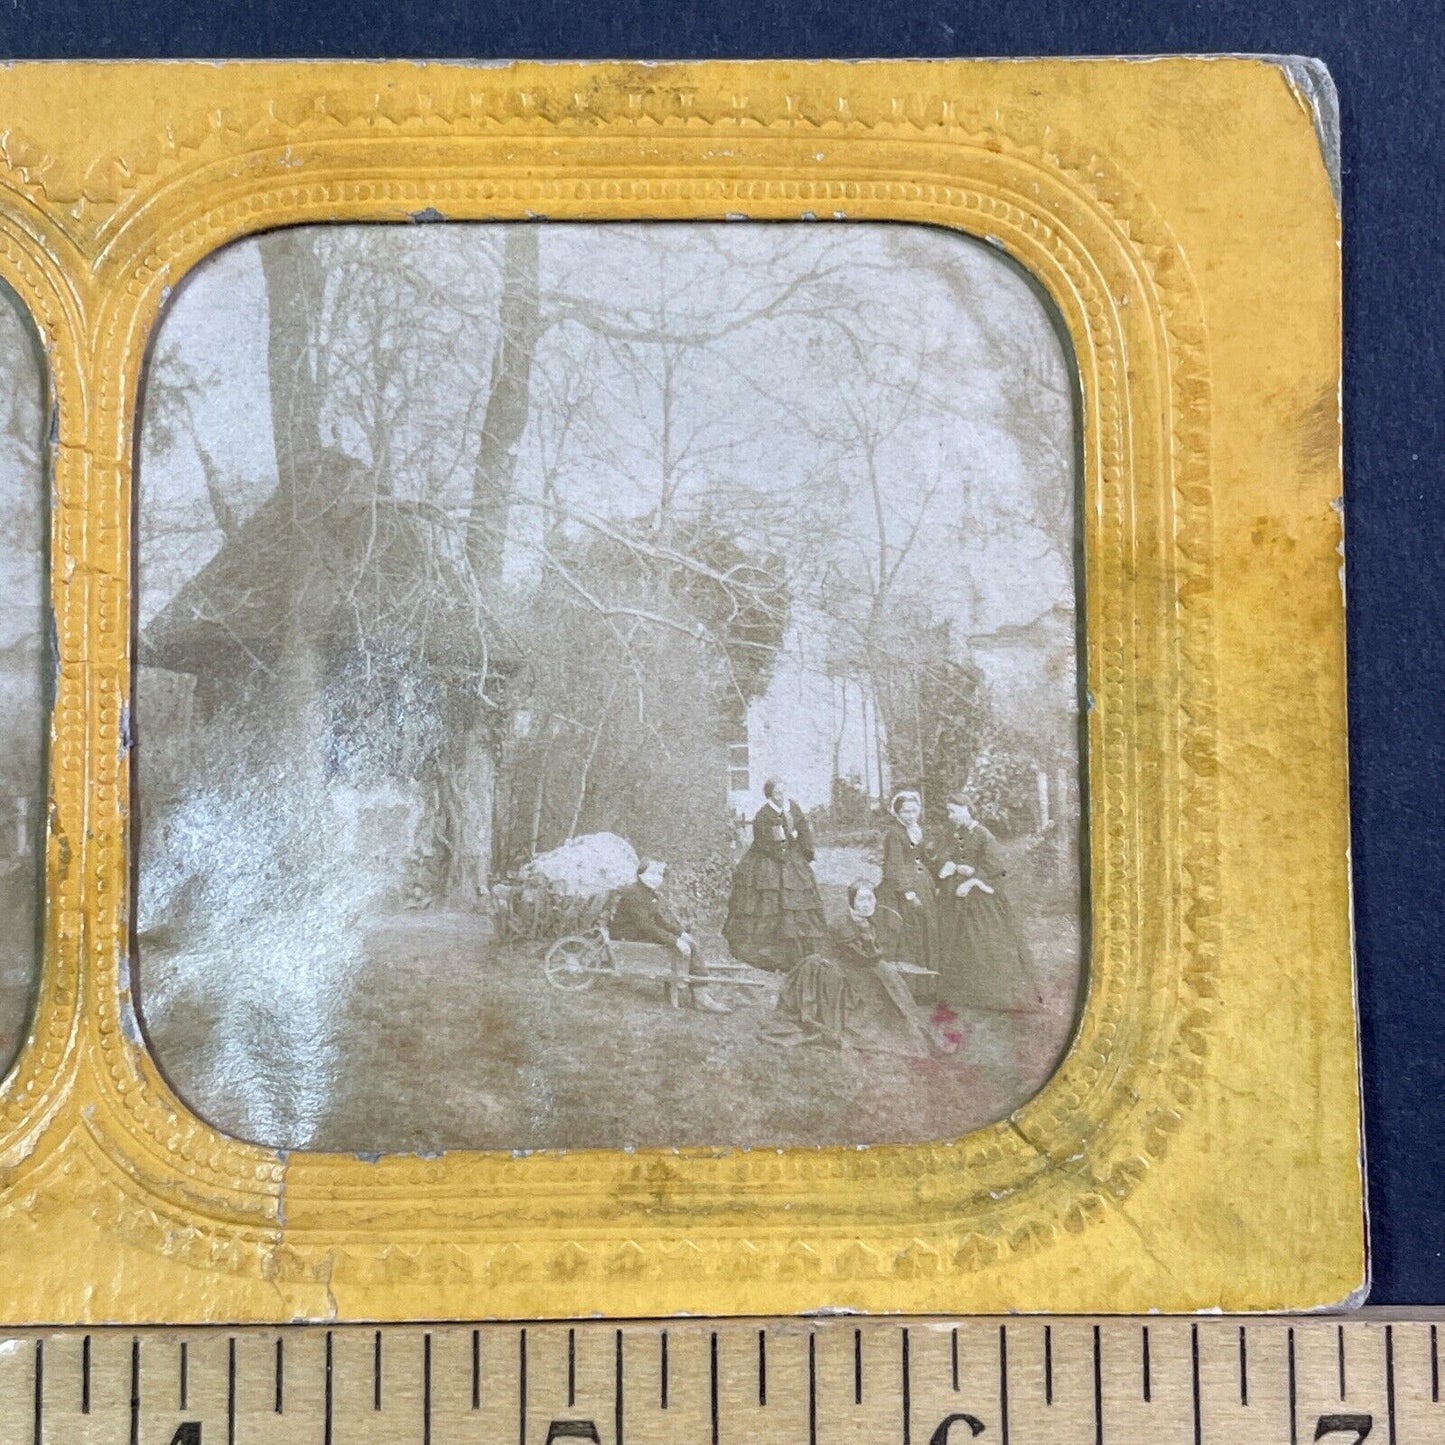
575,961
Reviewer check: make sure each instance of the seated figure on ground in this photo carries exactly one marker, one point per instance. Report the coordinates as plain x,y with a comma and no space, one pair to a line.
858,997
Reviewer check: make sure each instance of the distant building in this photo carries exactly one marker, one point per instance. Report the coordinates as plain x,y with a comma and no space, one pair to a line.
1033,676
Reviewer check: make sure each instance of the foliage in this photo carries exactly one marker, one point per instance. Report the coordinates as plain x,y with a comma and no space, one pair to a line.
697,889
1046,871
251,836
939,710
1002,786
957,715
851,807
617,724
636,637
743,599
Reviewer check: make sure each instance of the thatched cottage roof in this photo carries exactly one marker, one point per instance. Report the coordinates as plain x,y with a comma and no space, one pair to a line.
367,570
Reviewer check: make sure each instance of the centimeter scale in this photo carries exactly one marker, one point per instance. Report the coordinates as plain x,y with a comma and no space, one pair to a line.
1012,1381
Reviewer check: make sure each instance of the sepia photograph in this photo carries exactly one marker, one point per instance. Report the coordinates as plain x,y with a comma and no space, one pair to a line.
23,660
597,686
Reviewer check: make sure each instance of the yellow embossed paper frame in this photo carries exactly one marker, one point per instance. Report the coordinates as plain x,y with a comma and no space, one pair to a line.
1198,1147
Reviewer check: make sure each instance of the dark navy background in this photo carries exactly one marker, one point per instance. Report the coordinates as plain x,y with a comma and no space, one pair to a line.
1385,59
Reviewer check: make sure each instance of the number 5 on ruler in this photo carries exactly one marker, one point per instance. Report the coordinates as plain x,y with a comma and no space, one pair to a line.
1339,1424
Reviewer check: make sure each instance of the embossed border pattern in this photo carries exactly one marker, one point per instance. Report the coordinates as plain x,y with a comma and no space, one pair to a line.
96,230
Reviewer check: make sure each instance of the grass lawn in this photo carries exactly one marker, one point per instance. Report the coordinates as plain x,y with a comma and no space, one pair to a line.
436,1039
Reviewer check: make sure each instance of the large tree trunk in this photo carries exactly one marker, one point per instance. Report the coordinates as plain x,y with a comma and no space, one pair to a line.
466,797
505,419
470,787
295,292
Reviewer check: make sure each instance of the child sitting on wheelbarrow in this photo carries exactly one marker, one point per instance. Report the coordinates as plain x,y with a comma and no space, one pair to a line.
640,916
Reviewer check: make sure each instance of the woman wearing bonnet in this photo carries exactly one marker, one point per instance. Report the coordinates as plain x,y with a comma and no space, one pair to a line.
983,959
775,915
908,887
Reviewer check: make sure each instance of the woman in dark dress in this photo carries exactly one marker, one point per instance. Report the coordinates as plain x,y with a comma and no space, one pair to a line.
775,915
863,943
856,998
983,959
869,930
907,888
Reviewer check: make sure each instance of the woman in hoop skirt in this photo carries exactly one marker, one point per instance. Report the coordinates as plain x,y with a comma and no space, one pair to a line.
775,915
908,889
985,962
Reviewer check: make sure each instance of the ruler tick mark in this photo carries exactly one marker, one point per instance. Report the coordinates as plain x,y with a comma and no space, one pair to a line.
907,1394
1390,1380
522,1388
134,1391
40,1390
1098,1389
712,1381
326,1418
1293,1421
812,1389
1404,1379
1194,1382
1003,1384
617,1394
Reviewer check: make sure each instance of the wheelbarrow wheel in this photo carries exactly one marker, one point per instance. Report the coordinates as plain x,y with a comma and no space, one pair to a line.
570,964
